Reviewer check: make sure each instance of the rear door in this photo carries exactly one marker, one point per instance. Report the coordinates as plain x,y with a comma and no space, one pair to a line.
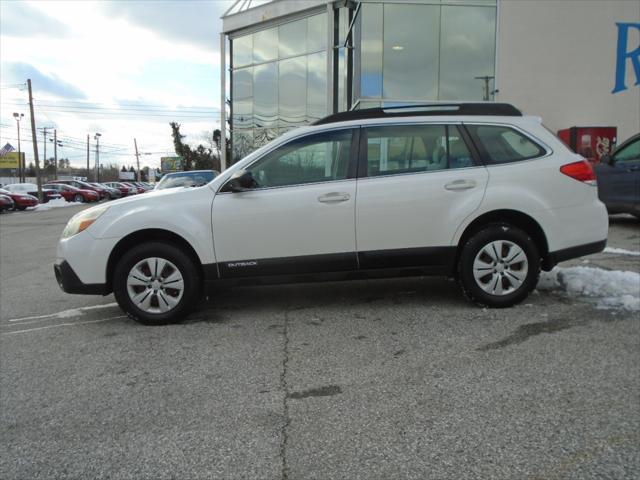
416,184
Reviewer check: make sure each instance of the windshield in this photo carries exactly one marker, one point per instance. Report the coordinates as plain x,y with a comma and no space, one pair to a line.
186,179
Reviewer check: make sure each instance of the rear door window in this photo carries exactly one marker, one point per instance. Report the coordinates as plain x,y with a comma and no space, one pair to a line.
402,149
502,144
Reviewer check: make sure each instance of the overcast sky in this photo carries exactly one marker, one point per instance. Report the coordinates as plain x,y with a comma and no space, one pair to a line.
121,68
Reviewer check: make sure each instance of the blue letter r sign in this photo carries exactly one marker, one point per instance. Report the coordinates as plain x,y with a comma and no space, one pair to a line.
622,55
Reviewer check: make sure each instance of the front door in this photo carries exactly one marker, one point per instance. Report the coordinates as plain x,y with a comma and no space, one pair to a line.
299,218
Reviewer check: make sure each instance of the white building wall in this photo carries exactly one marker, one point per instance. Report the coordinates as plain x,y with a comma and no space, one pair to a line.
557,59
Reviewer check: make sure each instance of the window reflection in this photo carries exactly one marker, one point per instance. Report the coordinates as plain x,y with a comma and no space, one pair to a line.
265,94
292,91
293,38
410,56
467,50
426,52
265,45
242,141
317,33
316,86
371,51
242,51
242,81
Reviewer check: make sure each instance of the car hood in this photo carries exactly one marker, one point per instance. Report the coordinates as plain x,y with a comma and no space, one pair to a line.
153,196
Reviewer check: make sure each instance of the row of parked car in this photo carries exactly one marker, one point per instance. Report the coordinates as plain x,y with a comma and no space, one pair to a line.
19,196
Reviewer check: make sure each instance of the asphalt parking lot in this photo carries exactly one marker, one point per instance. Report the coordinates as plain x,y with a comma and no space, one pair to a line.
376,379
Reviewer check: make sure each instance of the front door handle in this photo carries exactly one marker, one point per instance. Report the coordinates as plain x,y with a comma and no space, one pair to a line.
334,197
460,185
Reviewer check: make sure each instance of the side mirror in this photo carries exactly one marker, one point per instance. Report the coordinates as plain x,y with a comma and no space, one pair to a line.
241,181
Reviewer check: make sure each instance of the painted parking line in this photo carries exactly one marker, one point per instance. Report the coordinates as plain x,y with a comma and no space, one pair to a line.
62,325
73,312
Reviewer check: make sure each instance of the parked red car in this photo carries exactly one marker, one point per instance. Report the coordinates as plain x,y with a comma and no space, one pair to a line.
84,186
20,200
124,189
6,203
134,187
73,194
32,189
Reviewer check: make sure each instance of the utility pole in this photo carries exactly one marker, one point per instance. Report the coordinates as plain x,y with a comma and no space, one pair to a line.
55,153
135,143
485,88
35,141
88,167
97,139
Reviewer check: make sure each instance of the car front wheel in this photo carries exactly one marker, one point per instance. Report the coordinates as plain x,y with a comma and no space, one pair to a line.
499,266
156,283
78,198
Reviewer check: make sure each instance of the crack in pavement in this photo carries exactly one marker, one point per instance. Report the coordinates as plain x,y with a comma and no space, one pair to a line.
285,398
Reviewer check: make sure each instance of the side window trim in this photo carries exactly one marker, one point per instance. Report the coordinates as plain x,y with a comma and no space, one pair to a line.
362,171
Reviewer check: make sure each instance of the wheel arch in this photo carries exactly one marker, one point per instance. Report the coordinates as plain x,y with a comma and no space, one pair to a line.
147,235
517,219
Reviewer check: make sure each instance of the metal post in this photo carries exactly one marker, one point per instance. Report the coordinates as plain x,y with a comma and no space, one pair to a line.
223,103
18,117
330,58
44,154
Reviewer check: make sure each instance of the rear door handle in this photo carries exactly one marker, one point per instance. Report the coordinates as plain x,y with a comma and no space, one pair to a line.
334,197
460,185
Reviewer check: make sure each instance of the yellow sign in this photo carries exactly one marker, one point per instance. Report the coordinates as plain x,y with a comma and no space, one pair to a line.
10,160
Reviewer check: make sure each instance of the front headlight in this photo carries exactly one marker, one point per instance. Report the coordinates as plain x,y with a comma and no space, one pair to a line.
83,220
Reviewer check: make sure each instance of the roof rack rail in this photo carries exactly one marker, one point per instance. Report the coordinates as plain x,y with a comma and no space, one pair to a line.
485,108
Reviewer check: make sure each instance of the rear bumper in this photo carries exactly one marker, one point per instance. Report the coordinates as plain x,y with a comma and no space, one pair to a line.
574,252
70,283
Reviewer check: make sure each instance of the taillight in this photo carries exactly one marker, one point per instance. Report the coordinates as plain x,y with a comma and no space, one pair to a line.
581,171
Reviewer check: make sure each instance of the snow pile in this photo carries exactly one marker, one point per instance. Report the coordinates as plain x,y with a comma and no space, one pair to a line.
608,288
621,251
56,203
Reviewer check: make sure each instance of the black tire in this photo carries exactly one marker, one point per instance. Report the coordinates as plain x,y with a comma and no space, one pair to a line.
185,265
78,198
472,248
21,208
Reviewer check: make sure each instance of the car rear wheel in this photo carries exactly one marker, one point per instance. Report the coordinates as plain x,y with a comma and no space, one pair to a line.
156,283
499,266
78,198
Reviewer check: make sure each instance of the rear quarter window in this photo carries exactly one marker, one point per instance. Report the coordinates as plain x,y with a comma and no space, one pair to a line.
502,144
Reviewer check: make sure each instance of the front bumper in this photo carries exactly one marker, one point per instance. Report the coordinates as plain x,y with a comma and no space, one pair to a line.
70,283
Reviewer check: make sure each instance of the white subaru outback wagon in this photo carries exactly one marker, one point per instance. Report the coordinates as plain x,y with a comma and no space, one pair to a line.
474,191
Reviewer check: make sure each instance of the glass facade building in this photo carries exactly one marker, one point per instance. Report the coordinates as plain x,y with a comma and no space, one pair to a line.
328,56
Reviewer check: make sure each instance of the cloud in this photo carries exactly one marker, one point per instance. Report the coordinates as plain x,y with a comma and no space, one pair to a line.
19,19
18,72
196,22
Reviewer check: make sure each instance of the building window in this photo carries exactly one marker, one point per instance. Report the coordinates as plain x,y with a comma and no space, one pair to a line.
279,81
412,52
